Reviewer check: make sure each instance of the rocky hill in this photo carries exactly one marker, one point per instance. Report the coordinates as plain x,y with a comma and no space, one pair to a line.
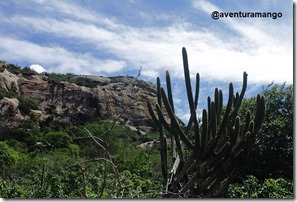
25,95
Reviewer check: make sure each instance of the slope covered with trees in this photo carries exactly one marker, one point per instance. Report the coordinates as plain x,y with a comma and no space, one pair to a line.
103,159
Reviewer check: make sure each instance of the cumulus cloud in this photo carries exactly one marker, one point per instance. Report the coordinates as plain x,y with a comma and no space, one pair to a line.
56,59
38,68
77,38
214,51
260,46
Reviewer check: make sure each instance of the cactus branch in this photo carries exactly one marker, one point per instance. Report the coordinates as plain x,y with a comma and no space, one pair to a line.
208,154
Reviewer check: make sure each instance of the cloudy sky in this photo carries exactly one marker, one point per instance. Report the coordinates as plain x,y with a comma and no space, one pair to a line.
117,37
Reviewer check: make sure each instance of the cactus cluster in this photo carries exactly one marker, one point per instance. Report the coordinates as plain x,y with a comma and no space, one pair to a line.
208,150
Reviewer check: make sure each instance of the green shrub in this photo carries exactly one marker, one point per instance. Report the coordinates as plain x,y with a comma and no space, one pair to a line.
270,188
15,69
56,77
276,188
27,71
10,159
50,172
32,137
58,139
26,104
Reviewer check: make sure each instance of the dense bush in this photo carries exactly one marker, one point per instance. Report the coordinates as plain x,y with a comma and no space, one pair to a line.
10,160
15,69
272,151
28,71
48,163
269,188
58,139
51,164
26,104
55,77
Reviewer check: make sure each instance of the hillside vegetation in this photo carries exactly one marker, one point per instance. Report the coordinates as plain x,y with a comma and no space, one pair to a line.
107,158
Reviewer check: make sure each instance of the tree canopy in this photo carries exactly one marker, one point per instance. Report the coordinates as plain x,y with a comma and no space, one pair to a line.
272,153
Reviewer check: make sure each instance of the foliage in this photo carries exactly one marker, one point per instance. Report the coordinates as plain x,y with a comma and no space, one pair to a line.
58,139
26,104
55,77
16,69
269,188
28,71
272,153
10,160
71,78
8,155
45,164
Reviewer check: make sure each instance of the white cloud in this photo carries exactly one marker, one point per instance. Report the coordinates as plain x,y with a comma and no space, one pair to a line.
38,68
56,59
219,50
259,48
66,8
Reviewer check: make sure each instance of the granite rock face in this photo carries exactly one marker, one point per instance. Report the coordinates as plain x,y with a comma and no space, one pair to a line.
64,104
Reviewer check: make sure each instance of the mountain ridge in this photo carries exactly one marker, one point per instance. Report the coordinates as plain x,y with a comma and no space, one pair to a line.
65,100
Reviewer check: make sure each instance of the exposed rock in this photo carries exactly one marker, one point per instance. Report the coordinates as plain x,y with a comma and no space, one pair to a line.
10,115
92,80
153,144
149,145
8,81
64,104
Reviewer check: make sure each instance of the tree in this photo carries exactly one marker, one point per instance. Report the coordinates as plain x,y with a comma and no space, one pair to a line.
58,139
272,153
10,160
269,188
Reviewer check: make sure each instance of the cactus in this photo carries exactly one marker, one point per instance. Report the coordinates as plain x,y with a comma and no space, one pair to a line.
206,155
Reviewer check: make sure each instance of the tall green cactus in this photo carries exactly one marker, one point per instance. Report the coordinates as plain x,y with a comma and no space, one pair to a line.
205,156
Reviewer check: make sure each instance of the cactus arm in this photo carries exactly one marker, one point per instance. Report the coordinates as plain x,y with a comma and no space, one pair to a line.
248,145
217,102
247,121
169,90
224,186
151,112
172,132
162,119
170,98
235,131
174,121
159,97
209,108
163,152
208,185
190,97
204,131
186,167
197,90
188,81
228,109
189,126
239,100
189,183
213,124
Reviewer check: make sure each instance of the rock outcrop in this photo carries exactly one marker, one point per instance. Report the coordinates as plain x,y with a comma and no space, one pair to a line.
65,103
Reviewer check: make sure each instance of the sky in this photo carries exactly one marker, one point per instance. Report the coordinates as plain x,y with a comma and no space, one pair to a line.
118,37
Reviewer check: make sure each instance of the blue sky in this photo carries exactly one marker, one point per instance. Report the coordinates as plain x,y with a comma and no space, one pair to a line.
117,37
